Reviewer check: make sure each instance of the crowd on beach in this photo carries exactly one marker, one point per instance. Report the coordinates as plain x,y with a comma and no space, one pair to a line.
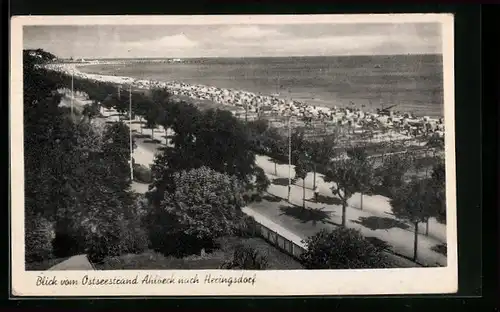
405,124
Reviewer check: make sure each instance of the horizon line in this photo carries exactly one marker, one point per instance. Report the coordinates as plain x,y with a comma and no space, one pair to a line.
236,57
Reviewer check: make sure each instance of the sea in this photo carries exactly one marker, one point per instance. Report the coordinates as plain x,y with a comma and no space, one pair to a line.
403,83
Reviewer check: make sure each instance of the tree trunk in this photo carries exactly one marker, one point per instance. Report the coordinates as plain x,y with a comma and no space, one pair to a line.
344,207
152,133
140,124
427,227
275,168
304,193
361,205
415,243
314,176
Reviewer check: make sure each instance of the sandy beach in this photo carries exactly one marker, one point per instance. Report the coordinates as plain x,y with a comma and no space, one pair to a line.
383,126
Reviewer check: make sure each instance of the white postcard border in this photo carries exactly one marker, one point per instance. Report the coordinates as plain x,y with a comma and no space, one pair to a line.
268,283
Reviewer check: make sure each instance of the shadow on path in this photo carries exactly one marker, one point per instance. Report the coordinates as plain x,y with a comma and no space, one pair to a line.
378,243
379,223
141,136
307,214
441,248
277,161
271,198
154,141
327,200
280,181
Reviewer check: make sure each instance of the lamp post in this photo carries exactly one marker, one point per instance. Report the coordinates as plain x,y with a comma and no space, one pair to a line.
130,134
72,92
289,145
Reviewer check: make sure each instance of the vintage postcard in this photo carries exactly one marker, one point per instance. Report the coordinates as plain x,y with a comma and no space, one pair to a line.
233,155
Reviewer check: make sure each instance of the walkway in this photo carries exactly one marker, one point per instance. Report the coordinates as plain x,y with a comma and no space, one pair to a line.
374,220
75,263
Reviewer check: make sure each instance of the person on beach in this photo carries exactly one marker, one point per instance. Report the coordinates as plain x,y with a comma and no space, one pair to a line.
316,193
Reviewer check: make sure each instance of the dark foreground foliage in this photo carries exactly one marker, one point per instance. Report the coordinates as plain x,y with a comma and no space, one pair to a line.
342,248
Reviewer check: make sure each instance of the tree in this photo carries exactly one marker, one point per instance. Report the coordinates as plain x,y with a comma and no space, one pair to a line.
204,205
435,141
365,171
390,174
246,258
341,248
321,152
213,138
415,202
152,116
91,110
38,238
347,175
160,95
140,106
83,192
222,143
262,183
302,167
38,56
273,145
117,151
438,177
298,142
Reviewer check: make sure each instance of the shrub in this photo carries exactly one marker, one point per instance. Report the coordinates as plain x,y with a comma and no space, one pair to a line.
142,174
262,183
246,227
120,237
134,238
203,206
246,258
102,245
38,239
163,237
69,238
342,248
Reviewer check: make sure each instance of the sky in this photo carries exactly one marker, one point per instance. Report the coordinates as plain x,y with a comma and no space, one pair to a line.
241,40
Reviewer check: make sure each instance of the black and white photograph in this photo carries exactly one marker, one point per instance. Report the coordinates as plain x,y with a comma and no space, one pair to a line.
245,155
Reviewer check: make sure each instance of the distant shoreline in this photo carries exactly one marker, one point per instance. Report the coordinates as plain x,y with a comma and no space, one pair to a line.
255,57
300,94
400,125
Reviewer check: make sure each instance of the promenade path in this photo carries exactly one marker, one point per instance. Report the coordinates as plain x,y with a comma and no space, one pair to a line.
75,263
374,220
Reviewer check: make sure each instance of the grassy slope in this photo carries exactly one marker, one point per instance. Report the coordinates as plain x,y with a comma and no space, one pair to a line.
43,265
151,260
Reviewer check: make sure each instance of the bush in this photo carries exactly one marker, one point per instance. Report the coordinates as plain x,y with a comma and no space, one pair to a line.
121,237
70,238
38,239
102,245
134,238
142,174
203,205
342,248
246,227
262,183
163,238
246,258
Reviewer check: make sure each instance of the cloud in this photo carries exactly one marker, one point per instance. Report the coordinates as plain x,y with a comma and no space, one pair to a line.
235,40
337,45
174,41
249,32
